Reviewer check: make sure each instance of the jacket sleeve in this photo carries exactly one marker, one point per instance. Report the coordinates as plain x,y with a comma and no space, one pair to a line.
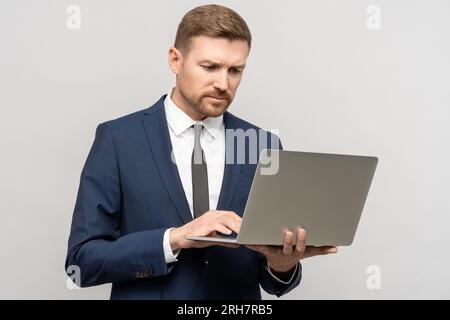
267,281
95,245
272,285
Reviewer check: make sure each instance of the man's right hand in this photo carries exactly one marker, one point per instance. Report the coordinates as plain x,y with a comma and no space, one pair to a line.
205,226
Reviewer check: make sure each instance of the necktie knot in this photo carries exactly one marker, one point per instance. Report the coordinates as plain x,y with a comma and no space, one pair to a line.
198,129
198,154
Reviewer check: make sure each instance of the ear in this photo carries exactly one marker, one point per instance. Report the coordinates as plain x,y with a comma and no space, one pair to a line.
175,60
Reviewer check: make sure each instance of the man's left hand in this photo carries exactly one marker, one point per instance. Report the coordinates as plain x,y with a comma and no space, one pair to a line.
283,259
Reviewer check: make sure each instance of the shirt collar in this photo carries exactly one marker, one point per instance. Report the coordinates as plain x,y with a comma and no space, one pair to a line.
179,121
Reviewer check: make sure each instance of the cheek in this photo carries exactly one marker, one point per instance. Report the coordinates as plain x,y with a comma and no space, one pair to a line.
198,80
188,84
234,84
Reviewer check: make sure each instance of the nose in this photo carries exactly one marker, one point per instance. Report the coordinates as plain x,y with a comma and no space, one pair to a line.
221,82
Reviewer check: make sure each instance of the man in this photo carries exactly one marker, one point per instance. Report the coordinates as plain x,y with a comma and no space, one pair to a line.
158,175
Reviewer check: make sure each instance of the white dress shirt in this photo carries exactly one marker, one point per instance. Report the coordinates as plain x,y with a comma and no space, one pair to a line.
212,141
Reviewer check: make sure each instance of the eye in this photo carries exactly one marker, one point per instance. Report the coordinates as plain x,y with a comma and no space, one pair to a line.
210,68
235,71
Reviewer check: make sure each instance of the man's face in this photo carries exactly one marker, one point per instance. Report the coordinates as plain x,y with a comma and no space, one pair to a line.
209,74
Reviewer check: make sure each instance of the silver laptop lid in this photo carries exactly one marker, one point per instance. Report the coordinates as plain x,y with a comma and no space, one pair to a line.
323,193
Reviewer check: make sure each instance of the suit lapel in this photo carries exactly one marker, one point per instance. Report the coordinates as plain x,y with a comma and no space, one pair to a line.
157,131
232,170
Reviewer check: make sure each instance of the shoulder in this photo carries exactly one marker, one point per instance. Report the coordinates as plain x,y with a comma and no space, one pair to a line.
131,122
125,122
236,123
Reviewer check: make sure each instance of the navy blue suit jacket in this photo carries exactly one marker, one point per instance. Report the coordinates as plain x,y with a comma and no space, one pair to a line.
130,193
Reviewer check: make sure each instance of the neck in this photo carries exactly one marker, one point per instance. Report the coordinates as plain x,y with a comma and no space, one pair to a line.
185,106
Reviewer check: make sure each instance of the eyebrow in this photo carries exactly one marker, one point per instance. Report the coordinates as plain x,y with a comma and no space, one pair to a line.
219,64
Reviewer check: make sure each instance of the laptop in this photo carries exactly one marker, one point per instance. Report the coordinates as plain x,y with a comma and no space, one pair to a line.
323,193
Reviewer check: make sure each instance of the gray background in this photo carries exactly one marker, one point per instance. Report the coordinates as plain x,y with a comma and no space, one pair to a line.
316,73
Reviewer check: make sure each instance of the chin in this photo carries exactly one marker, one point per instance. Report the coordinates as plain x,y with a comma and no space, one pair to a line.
215,112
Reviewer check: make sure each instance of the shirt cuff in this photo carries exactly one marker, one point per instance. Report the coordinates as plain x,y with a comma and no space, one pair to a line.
169,255
279,280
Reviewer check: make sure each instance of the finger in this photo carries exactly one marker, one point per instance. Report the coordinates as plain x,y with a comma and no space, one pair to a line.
288,243
212,234
221,228
229,245
220,244
324,250
311,251
329,249
318,251
301,241
229,213
232,215
231,223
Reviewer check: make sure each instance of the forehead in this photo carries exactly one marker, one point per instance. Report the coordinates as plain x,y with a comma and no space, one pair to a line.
220,50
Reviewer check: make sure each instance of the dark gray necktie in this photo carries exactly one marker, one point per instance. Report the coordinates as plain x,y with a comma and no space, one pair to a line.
200,194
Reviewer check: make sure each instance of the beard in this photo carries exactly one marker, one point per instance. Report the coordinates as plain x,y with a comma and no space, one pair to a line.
207,106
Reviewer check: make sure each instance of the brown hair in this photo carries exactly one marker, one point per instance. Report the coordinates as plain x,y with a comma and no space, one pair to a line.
213,21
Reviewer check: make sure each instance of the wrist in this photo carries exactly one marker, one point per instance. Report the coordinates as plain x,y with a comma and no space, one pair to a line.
174,239
283,276
281,271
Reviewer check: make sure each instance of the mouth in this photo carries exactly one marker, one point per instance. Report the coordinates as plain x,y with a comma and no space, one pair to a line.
216,98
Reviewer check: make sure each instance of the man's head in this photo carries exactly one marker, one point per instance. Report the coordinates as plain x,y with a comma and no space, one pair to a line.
209,56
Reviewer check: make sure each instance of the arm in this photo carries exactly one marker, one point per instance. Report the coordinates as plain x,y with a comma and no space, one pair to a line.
286,259
272,285
95,244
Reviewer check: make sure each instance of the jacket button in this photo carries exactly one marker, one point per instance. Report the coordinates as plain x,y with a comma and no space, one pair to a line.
146,273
